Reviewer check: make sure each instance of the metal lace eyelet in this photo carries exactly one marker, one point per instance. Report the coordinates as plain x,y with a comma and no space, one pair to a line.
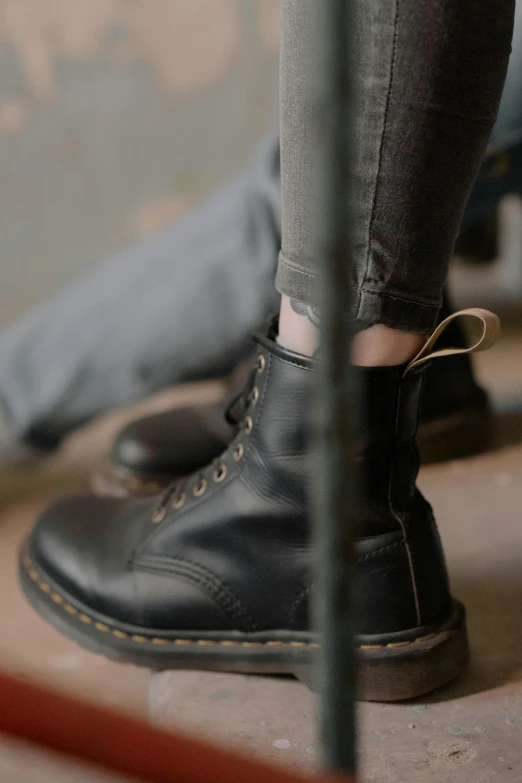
254,396
179,501
248,425
220,474
159,514
261,363
239,451
200,488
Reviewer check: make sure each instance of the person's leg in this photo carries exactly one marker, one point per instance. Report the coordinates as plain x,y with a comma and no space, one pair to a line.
199,287
217,571
56,370
427,85
453,403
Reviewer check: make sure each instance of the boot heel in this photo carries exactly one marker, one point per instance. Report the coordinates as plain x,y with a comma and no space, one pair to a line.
396,670
396,674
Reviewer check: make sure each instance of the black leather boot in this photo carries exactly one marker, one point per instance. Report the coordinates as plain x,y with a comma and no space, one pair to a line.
150,453
217,572
456,421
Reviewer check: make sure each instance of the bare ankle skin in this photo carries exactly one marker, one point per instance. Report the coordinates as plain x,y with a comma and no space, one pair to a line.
378,346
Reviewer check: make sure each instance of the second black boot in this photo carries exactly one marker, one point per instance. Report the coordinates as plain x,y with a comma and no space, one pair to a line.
455,421
217,572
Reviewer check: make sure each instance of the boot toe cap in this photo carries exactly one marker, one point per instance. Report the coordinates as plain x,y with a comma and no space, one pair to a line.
82,549
78,544
174,443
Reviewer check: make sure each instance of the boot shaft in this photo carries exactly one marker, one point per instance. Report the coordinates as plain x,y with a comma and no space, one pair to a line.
388,458
281,392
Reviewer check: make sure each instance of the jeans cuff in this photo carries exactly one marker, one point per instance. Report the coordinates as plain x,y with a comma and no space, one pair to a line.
397,313
370,307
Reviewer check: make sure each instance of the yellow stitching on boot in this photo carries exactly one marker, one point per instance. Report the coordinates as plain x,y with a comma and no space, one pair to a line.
58,599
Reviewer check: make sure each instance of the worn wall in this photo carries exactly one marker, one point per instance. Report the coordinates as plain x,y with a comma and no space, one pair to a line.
114,116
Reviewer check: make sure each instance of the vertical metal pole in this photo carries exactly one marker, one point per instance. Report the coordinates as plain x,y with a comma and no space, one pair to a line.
335,491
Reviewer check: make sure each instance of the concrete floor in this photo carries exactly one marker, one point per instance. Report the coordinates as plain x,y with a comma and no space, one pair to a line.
471,731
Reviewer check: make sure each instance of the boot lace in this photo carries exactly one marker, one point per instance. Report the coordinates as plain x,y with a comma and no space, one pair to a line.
237,414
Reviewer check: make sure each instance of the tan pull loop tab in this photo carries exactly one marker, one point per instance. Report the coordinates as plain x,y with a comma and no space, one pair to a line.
490,333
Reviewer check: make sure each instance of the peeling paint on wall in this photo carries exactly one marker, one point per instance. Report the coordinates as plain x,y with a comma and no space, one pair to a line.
115,116
40,32
189,44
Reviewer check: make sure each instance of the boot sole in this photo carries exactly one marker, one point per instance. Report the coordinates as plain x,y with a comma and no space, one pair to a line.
391,667
457,435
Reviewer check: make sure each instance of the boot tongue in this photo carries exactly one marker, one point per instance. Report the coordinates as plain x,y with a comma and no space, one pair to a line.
237,408
267,340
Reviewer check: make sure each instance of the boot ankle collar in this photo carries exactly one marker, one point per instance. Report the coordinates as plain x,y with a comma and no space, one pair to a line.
267,341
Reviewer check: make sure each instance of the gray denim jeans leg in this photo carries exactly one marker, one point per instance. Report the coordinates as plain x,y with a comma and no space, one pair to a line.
428,77
178,307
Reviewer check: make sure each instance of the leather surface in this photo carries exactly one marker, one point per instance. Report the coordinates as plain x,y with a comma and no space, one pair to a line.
238,556
173,443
